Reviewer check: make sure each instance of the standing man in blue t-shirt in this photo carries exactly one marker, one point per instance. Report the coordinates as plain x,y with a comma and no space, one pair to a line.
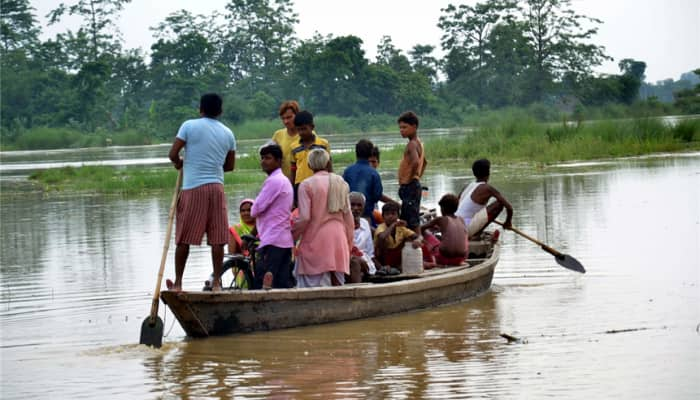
361,177
210,150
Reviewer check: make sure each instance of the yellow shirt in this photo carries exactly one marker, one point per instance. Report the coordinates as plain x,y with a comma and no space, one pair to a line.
282,138
401,234
300,155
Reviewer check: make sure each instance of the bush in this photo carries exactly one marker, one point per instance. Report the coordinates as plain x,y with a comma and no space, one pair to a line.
48,138
687,130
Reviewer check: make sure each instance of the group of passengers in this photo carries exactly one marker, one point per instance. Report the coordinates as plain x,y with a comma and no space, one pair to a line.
315,227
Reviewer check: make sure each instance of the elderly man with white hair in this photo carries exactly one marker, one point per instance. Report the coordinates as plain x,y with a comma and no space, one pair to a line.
324,227
362,254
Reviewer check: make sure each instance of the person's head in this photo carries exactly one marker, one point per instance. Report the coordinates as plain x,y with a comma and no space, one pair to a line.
481,169
363,149
318,159
288,110
244,210
304,123
270,157
448,204
408,124
357,204
210,105
374,158
390,212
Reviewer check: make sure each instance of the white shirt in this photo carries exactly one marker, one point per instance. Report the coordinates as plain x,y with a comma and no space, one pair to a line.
363,241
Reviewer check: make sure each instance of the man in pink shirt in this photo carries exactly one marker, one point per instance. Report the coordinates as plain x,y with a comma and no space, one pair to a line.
272,210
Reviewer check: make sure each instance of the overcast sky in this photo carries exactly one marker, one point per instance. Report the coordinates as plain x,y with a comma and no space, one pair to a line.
663,33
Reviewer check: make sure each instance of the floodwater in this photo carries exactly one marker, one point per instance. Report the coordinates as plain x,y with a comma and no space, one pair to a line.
77,274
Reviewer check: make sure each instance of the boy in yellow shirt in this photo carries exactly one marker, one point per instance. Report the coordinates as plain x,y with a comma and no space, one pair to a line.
389,239
307,141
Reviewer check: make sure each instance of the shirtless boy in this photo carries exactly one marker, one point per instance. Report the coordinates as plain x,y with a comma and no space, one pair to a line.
452,248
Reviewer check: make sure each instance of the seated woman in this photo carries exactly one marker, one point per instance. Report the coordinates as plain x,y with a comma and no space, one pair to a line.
246,226
325,226
452,247
389,239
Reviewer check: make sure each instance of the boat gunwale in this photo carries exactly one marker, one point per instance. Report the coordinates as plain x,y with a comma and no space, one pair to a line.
427,280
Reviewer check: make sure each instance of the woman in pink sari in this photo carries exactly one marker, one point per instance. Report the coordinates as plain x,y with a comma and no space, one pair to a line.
325,226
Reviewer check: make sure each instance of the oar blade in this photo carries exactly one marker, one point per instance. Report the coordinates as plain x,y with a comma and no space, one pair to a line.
569,262
152,332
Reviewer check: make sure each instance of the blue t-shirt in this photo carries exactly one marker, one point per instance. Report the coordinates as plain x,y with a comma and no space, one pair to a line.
207,142
361,177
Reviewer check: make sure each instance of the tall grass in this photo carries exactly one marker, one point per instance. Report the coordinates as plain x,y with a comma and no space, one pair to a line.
527,140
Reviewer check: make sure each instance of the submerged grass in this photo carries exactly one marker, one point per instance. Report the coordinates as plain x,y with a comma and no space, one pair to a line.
122,180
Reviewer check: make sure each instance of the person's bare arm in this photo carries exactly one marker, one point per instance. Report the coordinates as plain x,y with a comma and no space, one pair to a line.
507,224
389,231
432,224
174,153
230,162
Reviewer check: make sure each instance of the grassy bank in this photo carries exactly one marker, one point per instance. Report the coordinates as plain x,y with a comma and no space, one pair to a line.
42,137
509,140
528,141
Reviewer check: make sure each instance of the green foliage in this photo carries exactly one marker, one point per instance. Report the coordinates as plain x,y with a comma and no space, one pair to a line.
83,83
47,138
547,143
687,130
689,100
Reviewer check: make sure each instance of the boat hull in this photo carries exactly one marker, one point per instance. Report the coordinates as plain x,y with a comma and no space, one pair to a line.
204,314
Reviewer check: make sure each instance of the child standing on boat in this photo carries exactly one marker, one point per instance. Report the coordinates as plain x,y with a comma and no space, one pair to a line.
411,170
307,140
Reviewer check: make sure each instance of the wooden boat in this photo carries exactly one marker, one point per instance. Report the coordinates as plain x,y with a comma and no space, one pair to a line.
204,314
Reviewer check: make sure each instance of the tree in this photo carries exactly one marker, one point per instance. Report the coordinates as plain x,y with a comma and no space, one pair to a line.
388,54
557,37
631,79
18,28
688,100
508,67
258,41
424,63
466,30
330,74
99,23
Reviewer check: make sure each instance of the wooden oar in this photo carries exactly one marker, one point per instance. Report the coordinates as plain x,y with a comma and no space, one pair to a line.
564,260
152,326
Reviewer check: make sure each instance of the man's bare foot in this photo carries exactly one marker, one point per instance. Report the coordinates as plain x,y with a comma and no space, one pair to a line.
172,286
216,285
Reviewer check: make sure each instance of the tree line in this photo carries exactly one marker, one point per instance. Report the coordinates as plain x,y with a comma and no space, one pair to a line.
497,53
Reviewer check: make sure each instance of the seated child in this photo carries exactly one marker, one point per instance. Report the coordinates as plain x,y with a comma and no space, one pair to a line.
452,248
389,239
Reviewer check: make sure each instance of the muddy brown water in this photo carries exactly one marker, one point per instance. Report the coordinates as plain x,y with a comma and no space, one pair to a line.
77,274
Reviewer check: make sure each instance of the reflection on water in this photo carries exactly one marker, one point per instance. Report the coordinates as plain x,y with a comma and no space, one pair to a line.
77,274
